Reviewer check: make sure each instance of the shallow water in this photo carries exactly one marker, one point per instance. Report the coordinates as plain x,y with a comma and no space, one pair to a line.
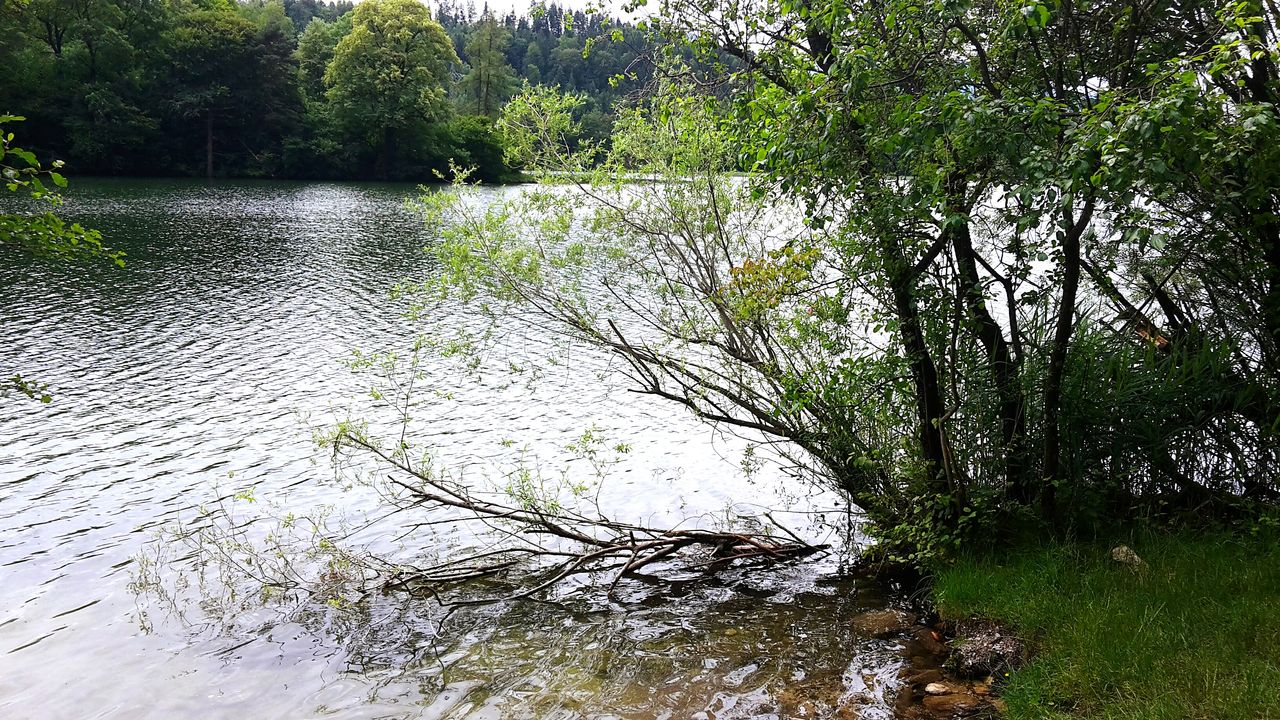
198,369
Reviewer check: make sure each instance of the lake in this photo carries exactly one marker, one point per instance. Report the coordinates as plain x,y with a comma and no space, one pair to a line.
199,371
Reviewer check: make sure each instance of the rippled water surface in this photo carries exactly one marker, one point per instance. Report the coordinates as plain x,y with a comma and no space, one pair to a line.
198,370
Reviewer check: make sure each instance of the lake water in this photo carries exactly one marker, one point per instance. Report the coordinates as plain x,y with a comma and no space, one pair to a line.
198,371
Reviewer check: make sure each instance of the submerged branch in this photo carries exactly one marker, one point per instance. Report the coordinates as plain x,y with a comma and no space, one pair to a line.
568,542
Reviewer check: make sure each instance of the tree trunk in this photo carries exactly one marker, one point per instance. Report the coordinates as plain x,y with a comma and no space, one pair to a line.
386,153
1058,356
208,144
924,375
1005,369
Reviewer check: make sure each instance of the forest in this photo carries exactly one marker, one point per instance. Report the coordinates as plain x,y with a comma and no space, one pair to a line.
290,89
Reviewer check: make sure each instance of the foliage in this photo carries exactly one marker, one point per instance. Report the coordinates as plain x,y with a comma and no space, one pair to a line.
540,126
470,141
227,71
389,73
995,265
303,12
316,46
293,565
236,88
1028,199
715,298
489,80
41,233
994,316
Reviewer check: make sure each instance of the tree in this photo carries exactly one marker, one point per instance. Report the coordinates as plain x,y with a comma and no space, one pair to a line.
977,164
1001,212
532,63
389,74
210,47
229,72
316,46
489,80
302,12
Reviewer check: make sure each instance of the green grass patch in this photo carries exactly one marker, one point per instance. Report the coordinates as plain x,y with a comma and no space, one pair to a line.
1195,635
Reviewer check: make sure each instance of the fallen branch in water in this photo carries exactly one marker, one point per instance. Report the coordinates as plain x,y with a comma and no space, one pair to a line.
565,542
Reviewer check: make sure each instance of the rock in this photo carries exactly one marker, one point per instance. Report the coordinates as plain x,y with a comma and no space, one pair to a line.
986,650
924,677
953,705
883,623
919,661
926,641
937,688
1125,555
905,701
983,687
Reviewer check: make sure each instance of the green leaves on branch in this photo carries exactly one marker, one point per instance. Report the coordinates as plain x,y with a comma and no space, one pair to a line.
995,184
540,128
651,248
40,232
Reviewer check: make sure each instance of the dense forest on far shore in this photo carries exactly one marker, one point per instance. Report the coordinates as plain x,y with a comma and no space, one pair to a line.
389,89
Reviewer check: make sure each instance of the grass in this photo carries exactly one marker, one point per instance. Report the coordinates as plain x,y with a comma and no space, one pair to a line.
1195,635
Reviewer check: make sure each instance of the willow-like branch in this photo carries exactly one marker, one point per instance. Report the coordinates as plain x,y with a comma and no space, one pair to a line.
556,543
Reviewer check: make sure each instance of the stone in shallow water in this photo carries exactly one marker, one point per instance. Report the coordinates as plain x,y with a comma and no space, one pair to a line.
882,623
926,641
953,705
924,677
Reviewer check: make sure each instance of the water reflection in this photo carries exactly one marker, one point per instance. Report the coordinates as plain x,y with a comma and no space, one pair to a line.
199,365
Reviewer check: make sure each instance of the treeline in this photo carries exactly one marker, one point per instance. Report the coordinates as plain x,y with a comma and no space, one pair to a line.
573,50
291,88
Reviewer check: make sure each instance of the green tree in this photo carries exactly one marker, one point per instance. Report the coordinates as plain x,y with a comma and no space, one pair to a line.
268,16
210,48
532,63
710,295
316,46
489,80
229,73
389,74
996,177
1009,213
